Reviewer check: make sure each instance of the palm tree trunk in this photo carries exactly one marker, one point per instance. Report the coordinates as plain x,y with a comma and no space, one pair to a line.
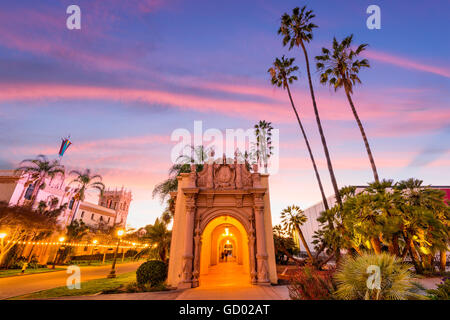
324,199
415,257
25,186
443,260
393,246
363,133
300,233
36,189
376,244
322,136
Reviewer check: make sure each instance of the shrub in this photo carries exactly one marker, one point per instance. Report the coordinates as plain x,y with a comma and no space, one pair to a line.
396,281
134,287
311,284
442,292
152,272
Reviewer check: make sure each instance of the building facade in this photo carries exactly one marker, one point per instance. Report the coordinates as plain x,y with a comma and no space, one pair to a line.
112,208
221,214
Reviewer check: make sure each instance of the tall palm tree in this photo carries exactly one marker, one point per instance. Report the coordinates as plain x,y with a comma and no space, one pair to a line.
292,219
39,169
297,30
281,73
264,148
160,237
339,68
87,181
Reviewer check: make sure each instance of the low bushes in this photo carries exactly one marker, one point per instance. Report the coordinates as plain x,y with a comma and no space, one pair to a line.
310,284
442,292
153,273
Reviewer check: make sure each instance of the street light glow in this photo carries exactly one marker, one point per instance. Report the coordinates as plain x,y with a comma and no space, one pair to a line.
94,242
2,235
61,239
120,233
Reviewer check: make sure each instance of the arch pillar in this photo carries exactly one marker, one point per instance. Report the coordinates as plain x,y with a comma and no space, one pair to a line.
261,250
251,251
188,256
197,250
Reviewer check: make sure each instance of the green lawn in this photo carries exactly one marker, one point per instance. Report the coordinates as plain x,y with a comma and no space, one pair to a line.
15,272
87,288
83,263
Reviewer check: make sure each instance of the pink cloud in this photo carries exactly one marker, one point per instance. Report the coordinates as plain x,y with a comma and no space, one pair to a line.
407,63
182,101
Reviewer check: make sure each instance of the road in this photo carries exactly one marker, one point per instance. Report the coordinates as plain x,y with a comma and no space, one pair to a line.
20,285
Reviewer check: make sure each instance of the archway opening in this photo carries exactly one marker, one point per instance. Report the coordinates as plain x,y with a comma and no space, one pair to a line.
224,257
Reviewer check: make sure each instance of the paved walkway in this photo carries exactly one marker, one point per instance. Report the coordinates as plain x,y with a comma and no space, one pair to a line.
20,285
228,281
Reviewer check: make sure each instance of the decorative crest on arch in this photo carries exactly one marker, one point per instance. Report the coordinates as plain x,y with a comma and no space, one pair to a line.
225,174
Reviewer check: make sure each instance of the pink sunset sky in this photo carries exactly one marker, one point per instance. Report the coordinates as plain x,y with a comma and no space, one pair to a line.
138,70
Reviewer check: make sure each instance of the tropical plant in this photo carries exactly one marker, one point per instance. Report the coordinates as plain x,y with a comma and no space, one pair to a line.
153,272
168,212
310,284
426,217
75,232
159,237
339,68
375,277
264,148
87,181
198,155
281,73
284,245
20,223
38,170
404,219
292,218
442,292
296,30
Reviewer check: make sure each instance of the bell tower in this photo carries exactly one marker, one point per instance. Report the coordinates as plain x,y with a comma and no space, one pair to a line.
119,201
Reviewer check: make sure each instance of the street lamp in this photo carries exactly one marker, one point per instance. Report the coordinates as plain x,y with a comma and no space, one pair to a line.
61,240
2,236
112,274
94,242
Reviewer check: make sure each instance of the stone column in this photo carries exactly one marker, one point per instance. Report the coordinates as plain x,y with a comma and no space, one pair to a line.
261,251
251,250
188,242
197,248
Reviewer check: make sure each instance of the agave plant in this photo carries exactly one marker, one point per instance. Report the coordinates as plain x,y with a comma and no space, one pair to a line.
354,276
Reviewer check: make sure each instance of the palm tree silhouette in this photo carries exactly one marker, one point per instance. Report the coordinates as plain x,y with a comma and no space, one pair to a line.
339,68
87,181
39,170
292,219
282,75
296,30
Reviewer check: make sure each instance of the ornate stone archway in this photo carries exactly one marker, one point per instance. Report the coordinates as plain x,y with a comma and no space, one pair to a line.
222,188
